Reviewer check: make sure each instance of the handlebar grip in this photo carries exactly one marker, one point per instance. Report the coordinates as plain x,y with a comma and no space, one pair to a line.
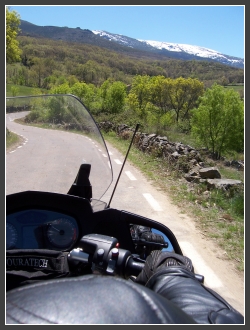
133,266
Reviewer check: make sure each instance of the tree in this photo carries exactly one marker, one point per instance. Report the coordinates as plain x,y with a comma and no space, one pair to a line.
13,52
218,122
86,92
160,93
61,89
184,96
116,96
139,95
113,96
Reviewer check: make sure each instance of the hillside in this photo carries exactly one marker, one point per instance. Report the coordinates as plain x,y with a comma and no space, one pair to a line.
95,64
121,43
81,36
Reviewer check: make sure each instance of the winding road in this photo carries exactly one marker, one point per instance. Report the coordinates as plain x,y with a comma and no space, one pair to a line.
49,160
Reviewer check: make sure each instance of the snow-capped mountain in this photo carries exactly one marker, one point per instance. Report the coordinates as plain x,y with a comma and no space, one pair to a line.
181,51
118,42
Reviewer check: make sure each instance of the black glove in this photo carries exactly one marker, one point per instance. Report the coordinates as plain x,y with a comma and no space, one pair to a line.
172,276
160,259
145,233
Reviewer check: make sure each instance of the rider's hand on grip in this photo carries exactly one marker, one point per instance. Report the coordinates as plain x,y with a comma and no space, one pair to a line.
160,259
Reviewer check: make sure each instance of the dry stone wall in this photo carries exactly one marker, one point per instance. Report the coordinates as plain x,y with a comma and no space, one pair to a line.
183,157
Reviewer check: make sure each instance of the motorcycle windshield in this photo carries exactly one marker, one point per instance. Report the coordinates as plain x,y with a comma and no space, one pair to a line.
48,137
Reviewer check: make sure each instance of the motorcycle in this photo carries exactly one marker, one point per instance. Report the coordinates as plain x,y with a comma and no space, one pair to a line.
59,229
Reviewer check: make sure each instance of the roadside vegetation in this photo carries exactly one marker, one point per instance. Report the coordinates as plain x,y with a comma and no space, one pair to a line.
12,139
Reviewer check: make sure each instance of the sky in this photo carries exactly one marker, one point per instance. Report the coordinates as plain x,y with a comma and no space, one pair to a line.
220,28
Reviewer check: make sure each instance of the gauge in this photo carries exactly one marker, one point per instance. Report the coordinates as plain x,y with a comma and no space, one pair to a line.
11,236
62,233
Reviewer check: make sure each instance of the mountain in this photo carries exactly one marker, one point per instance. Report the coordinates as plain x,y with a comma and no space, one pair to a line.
124,44
180,51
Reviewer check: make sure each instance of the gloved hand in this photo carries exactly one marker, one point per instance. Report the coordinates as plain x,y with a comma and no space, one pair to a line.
172,276
160,259
152,237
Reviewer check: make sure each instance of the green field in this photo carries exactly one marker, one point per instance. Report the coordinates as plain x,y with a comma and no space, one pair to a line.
17,90
236,87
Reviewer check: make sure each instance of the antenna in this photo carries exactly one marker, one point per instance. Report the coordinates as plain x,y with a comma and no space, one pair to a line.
136,129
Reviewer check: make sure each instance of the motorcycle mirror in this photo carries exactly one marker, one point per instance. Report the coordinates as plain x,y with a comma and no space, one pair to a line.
147,239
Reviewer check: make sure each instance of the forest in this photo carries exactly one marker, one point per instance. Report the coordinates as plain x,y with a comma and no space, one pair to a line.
46,63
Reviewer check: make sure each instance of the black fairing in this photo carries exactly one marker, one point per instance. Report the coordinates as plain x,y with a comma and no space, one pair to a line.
109,221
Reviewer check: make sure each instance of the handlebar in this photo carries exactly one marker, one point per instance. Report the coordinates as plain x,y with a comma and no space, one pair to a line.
105,257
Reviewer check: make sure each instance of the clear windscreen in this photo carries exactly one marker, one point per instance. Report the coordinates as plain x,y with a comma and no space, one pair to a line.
48,137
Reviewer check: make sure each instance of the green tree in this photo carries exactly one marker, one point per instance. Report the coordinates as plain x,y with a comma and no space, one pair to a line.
113,96
39,71
184,96
139,95
116,96
61,89
103,93
160,93
13,52
218,122
86,92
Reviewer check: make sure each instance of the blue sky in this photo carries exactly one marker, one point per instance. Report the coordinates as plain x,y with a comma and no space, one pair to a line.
221,28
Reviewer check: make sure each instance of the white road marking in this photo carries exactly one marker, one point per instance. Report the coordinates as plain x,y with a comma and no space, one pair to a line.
104,155
130,175
117,161
110,153
152,202
211,280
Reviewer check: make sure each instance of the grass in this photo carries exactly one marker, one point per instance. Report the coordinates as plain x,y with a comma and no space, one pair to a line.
18,90
12,139
236,87
220,216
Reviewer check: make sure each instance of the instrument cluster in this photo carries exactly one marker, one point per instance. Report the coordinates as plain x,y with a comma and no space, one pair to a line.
41,229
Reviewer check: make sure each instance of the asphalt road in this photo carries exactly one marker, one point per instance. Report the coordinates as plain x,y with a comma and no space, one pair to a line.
134,193
49,160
